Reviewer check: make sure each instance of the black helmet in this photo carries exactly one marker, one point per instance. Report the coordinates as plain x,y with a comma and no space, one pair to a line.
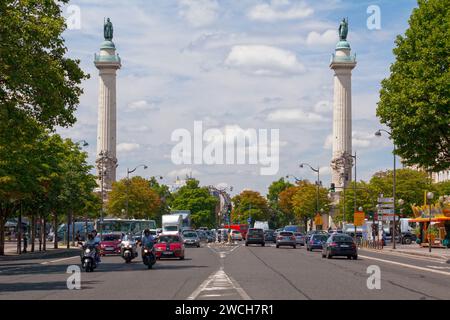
94,232
90,236
147,232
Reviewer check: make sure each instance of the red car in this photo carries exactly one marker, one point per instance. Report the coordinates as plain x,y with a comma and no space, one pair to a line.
110,243
169,246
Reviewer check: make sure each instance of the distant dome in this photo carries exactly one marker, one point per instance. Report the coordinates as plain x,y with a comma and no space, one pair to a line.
343,45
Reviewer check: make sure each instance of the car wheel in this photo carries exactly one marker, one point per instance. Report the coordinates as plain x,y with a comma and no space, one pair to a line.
349,257
355,257
278,246
182,258
263,244
246,244
407,240
295,247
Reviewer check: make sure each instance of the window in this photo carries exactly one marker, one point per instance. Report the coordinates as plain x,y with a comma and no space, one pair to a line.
168,239
286,234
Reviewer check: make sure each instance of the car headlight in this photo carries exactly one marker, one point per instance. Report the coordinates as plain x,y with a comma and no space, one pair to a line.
88,250
159,249
145,251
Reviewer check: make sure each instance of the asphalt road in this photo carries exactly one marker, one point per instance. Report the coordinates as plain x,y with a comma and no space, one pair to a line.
233,272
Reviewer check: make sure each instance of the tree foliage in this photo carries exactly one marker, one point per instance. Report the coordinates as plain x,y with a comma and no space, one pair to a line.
250,204
415,99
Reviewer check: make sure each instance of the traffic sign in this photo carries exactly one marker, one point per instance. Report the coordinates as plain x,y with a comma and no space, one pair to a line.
385,200
359,218
386,211
249,220
387,205
380,217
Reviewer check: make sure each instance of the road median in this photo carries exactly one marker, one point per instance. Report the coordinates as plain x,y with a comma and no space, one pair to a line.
49,254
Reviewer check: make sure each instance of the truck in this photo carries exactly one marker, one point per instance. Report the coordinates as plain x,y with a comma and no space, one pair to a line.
186,216
261,225
172,223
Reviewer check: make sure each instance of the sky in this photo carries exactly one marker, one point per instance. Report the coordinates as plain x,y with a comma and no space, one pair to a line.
235,65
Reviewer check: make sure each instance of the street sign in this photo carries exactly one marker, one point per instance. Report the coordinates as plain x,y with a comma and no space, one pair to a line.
386,200
249,220
380,217
387,205
388,218
318,220
359,218
386,211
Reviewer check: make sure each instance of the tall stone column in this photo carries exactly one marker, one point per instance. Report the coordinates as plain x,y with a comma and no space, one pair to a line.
107,62
342,63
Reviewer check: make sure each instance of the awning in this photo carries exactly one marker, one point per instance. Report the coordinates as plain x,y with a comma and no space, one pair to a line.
437,219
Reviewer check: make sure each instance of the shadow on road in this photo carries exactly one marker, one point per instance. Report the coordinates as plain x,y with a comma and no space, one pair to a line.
40,286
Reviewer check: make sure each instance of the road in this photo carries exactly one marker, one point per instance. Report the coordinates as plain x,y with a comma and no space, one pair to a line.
233,272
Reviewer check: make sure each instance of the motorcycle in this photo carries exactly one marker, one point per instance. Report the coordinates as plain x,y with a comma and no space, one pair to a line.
88,258
128,249
148,255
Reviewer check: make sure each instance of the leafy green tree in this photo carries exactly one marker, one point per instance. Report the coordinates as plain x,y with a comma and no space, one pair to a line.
199,201
250,204
165,197
275,189
442,188
143,201
415,99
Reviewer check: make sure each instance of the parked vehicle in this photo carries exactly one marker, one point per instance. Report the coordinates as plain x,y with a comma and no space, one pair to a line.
269,236
172,223
80,228
169,246
340,245
110,243
299,238
255,236
128,248
286,238
316,241
202,235
190,238
210,235
236,235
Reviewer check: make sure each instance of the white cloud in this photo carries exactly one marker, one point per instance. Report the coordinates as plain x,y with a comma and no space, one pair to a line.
294,115
199,13
360,140
127,147
279,10
142,105
328,142
264,60
327,38
323,106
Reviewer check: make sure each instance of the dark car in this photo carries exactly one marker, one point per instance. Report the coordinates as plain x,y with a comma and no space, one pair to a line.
255,236
316,241
269,235
286,238
340,245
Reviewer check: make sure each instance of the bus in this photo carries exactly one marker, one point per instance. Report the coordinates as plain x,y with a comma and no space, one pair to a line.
243,228
127,226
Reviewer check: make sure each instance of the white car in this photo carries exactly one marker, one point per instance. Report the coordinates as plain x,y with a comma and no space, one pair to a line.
236,235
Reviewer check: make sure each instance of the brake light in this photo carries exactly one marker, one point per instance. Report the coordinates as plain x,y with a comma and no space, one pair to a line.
292,238
333,244
279,238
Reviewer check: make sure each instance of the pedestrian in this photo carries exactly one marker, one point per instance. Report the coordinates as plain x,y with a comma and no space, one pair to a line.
78,237
25,243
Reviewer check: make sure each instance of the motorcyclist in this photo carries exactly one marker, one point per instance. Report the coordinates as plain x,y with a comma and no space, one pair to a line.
147,238
94,240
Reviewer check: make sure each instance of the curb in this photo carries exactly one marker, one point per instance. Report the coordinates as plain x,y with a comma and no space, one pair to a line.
54,253
417,254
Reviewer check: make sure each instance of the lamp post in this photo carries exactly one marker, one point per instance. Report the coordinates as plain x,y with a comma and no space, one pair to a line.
430,196
128,184
102,156
378,134
302,165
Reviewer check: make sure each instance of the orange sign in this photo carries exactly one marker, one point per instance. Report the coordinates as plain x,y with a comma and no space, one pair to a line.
318,220
359,218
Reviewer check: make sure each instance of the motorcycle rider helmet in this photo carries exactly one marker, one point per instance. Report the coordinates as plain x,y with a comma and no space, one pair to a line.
90,236
147,232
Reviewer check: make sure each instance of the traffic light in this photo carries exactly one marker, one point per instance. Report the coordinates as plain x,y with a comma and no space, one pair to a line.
371,215
230,208
333,188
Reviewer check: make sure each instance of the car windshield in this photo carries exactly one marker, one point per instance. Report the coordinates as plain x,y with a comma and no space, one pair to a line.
342,238
171,228
320,237
298,234
190,235
235,232
286,234
168,239
255,231
111,237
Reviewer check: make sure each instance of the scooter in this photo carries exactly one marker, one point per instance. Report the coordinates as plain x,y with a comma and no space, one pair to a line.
88,258
128,249
148,255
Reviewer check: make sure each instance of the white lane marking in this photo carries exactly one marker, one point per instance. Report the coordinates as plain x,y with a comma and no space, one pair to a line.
406,265
406,255
218,281
440,268
64,259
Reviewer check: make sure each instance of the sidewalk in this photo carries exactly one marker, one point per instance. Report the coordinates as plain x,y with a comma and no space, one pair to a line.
416,250
62,251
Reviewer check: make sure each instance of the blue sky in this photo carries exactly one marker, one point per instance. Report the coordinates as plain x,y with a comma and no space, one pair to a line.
235,64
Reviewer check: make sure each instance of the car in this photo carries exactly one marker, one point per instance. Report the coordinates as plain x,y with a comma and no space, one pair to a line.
286,238
316,241
255,236
236,235
169,246
299,238
110,243
202,235
222,235
269,235
309,234
340,245
210,236
275,234
191,238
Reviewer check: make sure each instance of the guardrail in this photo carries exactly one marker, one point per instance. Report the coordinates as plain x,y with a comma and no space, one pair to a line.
370,244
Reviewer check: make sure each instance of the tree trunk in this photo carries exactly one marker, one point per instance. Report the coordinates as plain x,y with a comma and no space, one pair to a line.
44,233
55,230
68,229
19,233
33,231
73,230
39,219
2,234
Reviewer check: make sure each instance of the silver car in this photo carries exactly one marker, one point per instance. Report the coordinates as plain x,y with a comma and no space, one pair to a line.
190,238
286,238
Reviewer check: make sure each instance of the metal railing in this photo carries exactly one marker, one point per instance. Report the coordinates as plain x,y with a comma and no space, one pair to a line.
370,244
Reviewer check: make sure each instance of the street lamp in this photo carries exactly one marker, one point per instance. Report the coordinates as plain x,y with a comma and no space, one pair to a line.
430,196
128,184
295,178
302,165
83,143
379,134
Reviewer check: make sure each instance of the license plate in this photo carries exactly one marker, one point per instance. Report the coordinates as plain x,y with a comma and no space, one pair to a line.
168,253
344,246
109,249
